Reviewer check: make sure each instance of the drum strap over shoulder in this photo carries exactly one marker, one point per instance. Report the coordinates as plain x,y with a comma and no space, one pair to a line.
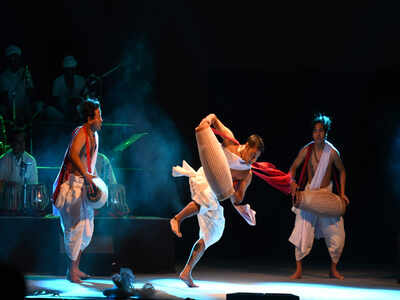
65,169
303,176
88,156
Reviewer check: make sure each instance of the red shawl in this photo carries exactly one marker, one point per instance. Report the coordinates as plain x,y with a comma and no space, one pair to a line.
266,171
66,166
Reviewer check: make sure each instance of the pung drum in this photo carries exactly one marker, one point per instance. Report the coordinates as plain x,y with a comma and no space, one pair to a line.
98,194
117,200
214,162
323,203
37,197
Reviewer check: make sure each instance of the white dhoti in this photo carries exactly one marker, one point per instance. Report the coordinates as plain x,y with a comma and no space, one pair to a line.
309,226
75,215
211,215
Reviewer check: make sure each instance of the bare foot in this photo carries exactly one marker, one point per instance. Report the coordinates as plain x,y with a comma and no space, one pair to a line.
73,277
335,274
296,275
83,275
187,278
175,227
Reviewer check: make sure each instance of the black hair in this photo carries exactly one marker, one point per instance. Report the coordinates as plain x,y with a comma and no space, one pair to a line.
256,141
87,108
324,120
14,132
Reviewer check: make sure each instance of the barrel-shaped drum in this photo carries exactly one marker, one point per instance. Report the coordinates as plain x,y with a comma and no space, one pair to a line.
98,197
214,162
321,202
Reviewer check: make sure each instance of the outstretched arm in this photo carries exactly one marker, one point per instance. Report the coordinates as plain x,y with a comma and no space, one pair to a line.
339,165
214,122
238,196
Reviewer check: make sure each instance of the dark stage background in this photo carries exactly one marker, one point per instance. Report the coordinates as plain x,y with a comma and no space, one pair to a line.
260,69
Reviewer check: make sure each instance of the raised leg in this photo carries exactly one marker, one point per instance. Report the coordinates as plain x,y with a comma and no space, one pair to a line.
189,210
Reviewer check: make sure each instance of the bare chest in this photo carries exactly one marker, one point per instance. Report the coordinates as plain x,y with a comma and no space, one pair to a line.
239,174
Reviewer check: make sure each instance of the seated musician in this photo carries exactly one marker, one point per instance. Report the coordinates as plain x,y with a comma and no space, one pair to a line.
16,165
104,169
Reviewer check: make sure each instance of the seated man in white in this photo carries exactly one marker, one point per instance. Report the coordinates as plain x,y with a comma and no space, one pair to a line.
16,165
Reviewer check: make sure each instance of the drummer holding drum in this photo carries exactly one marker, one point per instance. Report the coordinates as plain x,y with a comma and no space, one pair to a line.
318,211
75,190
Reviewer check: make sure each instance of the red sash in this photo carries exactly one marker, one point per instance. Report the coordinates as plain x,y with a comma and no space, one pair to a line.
270,174
66,166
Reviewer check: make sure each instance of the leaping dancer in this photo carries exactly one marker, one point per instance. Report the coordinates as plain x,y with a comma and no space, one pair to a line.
204,204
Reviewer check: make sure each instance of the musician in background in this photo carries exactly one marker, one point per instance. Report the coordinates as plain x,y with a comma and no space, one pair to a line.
16,88
322,159
67,89
104,169
16,165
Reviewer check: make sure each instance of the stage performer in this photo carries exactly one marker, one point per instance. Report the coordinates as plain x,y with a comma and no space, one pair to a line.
319,157
204,204
69,189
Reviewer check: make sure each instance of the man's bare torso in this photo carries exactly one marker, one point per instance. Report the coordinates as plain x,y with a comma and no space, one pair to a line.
237,175
313,164
82,155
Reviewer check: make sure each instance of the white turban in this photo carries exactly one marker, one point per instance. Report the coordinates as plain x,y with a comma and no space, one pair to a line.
69,62
12,49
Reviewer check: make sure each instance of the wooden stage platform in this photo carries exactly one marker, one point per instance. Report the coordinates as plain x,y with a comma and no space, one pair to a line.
217,279
35,245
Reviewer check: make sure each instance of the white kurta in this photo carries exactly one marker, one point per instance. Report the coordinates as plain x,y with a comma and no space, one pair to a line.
64,93
104,169
10,168
309,226
15,86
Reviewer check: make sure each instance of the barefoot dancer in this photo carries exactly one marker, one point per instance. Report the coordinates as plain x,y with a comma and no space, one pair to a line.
69,192
204,204
307,225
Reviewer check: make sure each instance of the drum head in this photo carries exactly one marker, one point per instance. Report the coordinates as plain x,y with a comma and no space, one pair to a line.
101,196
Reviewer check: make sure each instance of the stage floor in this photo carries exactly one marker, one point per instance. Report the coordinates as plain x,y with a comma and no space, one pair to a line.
361,282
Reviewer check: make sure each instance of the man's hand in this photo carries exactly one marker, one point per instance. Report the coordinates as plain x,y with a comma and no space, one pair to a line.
293,189
345,199
236,199
209,120
89,181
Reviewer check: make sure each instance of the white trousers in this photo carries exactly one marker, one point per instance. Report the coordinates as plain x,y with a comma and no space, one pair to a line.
309,226
75,215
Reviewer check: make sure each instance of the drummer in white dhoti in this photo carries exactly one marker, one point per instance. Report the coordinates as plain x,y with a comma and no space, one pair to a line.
69,189
205,204
320,161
